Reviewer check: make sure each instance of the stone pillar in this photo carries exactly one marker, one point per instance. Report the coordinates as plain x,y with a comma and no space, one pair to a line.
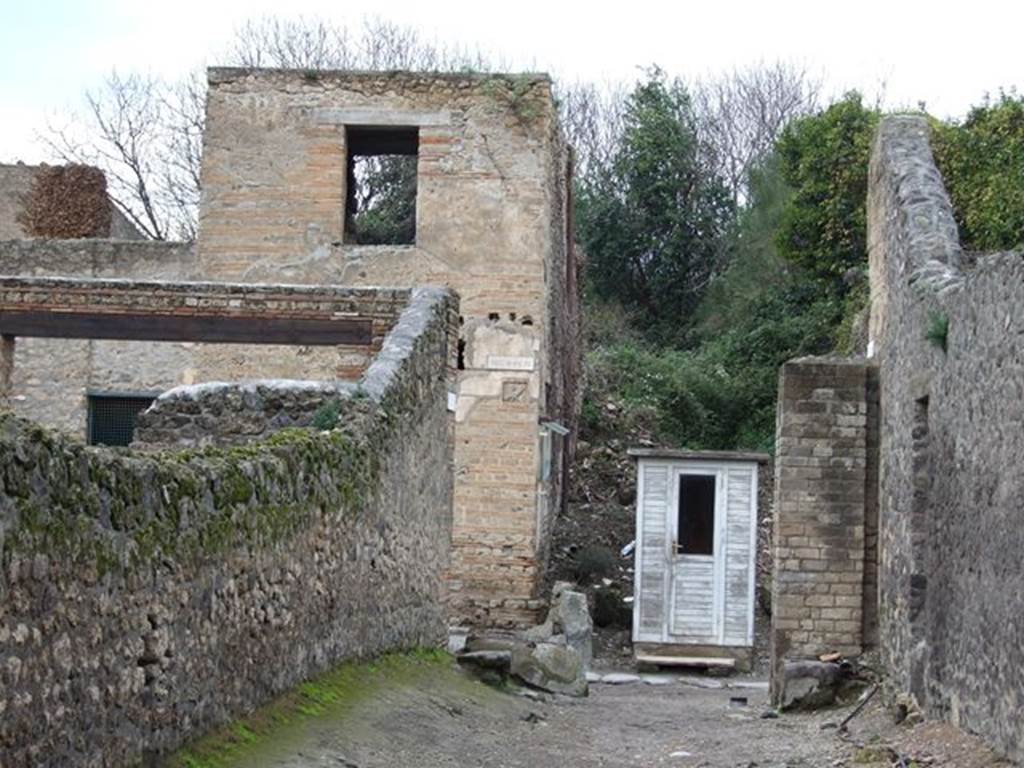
820,488
6,369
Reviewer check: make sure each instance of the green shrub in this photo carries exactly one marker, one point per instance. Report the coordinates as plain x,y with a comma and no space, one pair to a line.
610,610
982,163
593,562
938,330
824,158
327,415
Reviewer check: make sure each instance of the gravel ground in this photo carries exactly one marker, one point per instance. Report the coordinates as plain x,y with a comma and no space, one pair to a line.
444,718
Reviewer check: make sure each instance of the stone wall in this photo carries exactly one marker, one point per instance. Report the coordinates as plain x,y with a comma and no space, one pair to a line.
230,413
819,536
149,597
491,222
952,445
223,413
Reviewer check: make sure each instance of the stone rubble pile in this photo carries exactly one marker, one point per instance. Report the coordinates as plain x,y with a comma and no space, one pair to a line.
554,656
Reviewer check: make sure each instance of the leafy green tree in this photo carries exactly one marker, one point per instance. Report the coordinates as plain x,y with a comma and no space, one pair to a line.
754,265
824,158
982,163
652,220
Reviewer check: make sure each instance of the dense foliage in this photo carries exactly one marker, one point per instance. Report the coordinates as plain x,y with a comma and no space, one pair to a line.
794,279
720,392
653,220
982,163
824,158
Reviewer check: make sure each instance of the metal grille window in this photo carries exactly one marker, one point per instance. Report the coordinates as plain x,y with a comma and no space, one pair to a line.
112,416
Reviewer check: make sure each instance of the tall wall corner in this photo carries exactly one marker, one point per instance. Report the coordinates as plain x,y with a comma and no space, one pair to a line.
825,523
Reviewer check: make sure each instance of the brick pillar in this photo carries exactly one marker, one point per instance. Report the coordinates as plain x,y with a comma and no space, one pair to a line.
820,484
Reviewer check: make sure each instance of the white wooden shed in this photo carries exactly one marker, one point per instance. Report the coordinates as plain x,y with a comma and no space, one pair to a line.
696,545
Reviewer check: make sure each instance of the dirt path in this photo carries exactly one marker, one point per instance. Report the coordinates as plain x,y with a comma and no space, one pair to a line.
433,716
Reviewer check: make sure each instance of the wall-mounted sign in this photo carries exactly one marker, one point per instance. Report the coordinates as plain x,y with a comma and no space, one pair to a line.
502,363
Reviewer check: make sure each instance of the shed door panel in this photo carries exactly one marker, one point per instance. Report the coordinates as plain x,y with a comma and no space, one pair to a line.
652,544
693,600
740,527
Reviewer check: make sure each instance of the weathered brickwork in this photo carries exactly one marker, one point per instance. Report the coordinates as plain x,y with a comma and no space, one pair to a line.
819,536
952,447
52,377
491,222
151,596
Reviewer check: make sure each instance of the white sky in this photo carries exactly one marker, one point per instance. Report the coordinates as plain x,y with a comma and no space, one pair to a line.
946,55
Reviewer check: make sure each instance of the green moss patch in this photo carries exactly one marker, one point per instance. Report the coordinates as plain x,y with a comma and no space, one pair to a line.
331,695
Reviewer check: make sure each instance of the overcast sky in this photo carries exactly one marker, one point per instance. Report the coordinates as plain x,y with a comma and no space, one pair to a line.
945,55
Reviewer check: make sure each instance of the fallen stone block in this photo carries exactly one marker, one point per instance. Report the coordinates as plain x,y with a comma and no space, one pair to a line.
809,684
568,620
550,667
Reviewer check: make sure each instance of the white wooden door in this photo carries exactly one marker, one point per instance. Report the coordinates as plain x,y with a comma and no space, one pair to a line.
697,603
696,599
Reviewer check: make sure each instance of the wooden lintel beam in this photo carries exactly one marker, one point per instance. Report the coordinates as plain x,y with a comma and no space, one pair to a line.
224,329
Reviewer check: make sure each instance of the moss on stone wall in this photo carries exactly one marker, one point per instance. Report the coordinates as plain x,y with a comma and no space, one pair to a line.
116,511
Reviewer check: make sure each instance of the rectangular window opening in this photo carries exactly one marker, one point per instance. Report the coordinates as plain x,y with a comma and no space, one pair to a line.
696,523
112,417
380,203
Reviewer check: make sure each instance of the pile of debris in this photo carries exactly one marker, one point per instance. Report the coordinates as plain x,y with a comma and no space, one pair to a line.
554,656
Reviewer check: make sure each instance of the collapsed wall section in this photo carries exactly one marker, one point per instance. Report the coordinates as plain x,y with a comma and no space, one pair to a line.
149,597
950,344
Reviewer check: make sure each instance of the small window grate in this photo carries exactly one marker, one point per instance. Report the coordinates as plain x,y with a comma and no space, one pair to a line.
112,418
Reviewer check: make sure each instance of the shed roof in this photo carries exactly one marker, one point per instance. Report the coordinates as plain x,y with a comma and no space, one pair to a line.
677,453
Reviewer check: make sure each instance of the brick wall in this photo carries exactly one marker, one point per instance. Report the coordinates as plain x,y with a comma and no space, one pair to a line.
819,531
491,223
51,377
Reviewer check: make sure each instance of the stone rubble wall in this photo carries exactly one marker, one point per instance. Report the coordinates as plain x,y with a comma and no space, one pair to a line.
148,597
230,413
952,446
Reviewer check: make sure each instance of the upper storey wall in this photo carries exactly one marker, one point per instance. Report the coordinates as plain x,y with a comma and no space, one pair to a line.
274,181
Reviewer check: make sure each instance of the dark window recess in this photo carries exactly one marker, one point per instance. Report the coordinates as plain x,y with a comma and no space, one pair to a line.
696,515
112,418
380,207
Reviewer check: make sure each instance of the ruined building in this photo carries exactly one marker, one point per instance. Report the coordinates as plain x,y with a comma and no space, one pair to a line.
483,204
897,515
22,193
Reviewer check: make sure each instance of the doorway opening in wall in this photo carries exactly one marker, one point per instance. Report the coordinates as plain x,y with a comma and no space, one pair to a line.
111,419
380,201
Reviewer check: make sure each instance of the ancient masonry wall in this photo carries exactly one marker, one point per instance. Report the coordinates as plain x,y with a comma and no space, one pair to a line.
952,445
151,596
819,536
16,183
491,223
53,377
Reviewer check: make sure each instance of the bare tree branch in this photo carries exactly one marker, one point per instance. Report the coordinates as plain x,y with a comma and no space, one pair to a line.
743,112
